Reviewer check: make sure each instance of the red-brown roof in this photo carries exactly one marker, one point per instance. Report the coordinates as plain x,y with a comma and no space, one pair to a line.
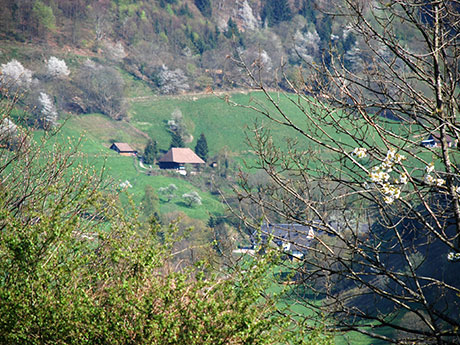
123,147
181,155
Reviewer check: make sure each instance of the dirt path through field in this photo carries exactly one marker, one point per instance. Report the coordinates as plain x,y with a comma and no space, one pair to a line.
191,94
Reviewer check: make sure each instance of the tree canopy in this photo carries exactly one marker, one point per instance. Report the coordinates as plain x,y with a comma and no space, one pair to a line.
276,11
150,152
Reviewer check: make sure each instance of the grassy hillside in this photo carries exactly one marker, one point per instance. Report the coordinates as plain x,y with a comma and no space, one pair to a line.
224,125
97,132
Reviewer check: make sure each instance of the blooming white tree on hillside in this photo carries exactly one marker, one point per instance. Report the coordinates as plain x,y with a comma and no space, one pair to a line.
306,44
15,76
57,68
172,81
48,113
192,198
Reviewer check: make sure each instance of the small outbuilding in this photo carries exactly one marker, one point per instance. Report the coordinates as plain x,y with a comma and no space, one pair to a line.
177,157
123,149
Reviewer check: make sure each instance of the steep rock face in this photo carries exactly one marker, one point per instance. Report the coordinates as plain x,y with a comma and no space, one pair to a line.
246,17
246,14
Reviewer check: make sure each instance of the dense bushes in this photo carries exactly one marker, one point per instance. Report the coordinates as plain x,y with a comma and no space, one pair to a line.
102,90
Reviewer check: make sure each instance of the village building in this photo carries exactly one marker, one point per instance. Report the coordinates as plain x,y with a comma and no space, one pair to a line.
296,239
123,149
433,141
177,157
293,239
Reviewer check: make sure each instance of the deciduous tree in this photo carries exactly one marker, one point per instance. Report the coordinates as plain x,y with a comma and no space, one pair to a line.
15,77
385,209
57,68
47,113
102,89
192,198
151,203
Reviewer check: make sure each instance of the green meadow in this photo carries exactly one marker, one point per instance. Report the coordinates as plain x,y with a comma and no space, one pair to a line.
226,127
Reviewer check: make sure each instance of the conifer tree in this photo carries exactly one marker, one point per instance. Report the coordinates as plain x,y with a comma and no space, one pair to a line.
205,7
201,148
176,140
276,11
150,152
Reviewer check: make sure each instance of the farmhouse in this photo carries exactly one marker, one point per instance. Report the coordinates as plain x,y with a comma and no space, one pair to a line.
433,140
177,157
291,238
295,239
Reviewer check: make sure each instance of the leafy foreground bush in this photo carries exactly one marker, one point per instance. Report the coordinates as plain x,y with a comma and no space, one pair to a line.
77,269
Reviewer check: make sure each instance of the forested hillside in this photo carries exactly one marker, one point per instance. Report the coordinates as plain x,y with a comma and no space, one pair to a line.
173,45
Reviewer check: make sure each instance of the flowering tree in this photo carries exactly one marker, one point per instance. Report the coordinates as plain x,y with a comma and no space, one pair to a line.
57,68
385,208
15,77
172,81
192,198
168,192
47,111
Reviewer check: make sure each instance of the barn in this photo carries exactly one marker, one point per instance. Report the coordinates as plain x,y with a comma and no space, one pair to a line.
123,149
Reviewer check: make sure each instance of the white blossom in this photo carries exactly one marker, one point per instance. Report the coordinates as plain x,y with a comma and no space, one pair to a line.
428,179
388,199
403,178
399,158
192,198
390,154
386,188
7,127
57,68
391,193
114,51
172,81
306,44
14,75
440,182
360,152
126,184
379,176
265,60
429,168
453,256
246,14
48,110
